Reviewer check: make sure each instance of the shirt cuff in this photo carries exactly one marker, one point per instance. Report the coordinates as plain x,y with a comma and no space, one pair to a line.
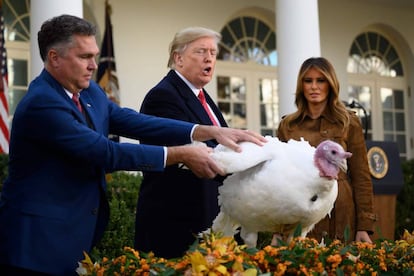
166,148
192,131
165,156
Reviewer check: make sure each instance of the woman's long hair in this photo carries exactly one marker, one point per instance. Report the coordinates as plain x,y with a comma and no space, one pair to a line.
335,106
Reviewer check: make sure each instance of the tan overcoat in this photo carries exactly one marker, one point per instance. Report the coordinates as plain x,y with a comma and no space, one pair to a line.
354,204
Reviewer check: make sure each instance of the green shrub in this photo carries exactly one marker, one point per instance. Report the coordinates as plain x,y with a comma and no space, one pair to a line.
4,161
122,194
405,201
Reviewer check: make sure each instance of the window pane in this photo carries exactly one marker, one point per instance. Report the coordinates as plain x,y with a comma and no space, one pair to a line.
231,100
383,45
15,95
360,99
400,121
361,40
267,131
223,88
238,89
239,116
18,73
236,27
263,31
401,143
398,99
386,98
269,116
388,121
249,26
271,41
225,110
398,69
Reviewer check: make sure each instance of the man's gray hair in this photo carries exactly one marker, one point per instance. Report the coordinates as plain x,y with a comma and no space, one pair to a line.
185,37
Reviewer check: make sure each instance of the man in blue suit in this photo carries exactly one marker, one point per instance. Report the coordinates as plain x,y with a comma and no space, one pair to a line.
53,205
175,205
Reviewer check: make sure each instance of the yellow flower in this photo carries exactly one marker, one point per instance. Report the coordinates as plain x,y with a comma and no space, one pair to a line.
222,256
86,267
207,265
409,237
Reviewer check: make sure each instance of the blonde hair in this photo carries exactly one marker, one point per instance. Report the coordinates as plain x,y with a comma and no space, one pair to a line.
185,37
335,105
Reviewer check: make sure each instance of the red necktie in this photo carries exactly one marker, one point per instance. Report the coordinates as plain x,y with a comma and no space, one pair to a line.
203,101
75,99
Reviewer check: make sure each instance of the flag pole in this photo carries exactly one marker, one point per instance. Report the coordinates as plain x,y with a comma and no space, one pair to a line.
106,76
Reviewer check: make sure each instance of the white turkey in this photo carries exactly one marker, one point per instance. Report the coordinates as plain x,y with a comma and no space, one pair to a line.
277,186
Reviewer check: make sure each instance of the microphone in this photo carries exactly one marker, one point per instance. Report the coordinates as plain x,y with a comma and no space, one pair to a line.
352,104
355,104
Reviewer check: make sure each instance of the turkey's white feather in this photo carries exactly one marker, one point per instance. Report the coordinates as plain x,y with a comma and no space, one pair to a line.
273,188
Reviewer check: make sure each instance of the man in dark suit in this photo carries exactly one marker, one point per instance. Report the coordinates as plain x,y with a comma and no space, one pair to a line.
175,205
53,205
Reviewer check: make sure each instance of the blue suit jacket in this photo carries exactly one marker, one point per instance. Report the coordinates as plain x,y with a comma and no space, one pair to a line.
53,203
175,205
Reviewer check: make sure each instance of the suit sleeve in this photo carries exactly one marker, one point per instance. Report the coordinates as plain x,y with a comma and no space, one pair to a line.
54,126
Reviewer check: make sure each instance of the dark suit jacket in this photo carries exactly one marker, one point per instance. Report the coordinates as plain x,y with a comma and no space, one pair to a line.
175,205
53,203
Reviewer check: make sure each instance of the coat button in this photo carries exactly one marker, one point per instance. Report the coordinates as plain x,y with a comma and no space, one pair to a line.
94,211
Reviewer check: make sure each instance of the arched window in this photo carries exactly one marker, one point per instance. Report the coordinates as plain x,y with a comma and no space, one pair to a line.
17,20
248,39
246,75
372,52
377,84
17,34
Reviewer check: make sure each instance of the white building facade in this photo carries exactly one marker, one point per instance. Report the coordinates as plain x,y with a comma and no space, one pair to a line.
369,42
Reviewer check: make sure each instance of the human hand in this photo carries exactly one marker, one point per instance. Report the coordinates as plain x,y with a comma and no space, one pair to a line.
196,157
229,137
362,236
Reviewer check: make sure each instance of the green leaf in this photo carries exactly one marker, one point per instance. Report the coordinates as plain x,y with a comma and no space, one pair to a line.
347,234
298,231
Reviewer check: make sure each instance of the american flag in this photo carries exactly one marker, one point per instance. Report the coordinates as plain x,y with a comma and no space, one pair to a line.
4,108
106,76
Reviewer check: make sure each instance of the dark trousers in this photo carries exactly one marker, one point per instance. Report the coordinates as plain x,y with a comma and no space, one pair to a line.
6,270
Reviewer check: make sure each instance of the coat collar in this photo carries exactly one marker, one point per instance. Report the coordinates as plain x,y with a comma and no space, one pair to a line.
326,115
84,98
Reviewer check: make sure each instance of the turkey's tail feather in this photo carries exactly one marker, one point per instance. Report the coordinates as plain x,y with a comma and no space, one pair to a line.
225,225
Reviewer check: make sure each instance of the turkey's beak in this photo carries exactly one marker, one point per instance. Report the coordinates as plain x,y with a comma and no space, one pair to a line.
343,165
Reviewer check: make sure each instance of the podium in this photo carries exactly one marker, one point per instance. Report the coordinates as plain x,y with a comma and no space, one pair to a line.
387,180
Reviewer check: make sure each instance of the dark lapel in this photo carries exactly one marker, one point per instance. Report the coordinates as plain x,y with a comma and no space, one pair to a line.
192,101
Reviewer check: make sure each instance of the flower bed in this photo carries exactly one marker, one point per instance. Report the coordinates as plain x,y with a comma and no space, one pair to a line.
217,255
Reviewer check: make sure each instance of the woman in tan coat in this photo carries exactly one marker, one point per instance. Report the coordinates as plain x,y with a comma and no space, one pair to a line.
321,116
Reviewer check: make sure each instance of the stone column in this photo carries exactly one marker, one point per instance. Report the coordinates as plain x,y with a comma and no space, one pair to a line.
297,31
40,11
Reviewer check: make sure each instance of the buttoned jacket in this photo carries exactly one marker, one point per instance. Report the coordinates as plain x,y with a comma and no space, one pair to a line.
53,204
175,205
